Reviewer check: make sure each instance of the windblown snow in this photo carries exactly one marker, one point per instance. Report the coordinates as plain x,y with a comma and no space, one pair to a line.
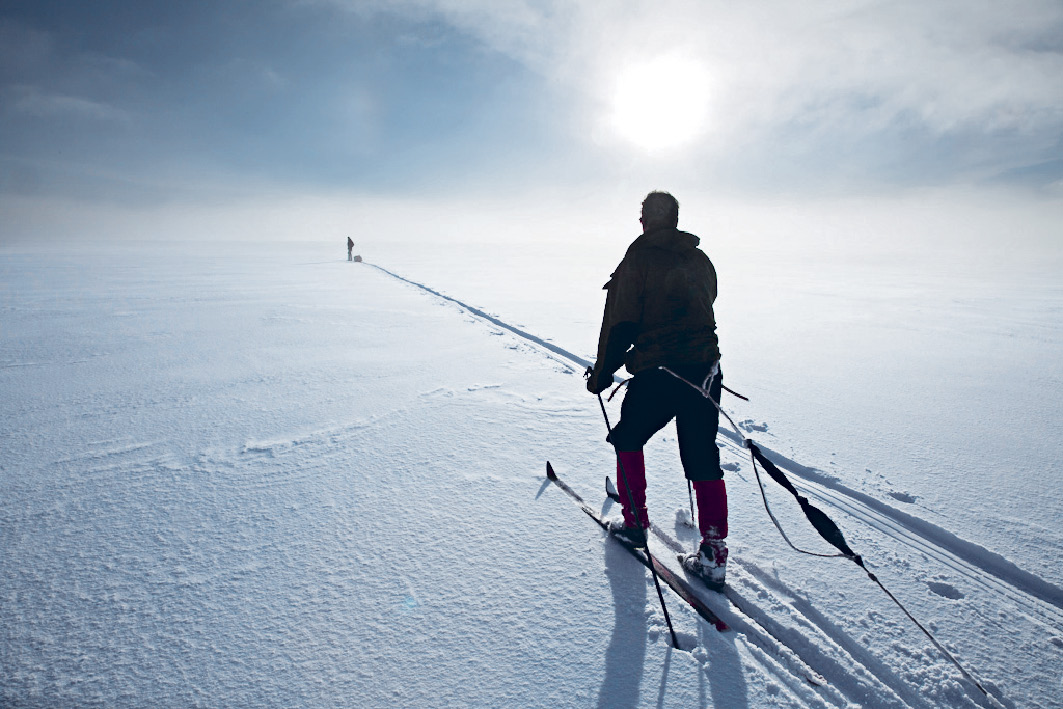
270,477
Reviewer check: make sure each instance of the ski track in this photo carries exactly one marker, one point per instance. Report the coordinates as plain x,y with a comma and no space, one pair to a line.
776,620
868,508
550,347
833,636
767,647
853,673
1037,599
804,638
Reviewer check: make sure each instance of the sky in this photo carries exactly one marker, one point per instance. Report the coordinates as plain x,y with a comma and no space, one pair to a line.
140,106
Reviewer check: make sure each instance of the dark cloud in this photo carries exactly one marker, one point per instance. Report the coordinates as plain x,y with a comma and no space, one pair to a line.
290,93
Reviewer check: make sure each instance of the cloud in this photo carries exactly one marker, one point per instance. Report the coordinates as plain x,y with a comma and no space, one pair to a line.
502,95
531,31
880,83
951,63
42,104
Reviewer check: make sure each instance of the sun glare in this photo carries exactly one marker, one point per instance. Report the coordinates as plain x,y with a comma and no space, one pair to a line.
662,103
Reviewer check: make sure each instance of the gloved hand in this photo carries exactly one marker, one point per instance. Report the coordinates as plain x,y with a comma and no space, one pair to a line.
598,381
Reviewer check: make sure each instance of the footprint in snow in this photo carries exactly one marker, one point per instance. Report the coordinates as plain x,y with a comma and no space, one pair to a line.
751,425
946,590
903,497
481,387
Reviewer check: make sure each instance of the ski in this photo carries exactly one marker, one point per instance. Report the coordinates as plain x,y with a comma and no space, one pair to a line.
680,586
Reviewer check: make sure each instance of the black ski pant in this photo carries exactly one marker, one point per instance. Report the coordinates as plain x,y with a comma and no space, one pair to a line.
654,397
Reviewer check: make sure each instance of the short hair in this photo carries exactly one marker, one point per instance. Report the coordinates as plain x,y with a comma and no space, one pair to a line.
660,209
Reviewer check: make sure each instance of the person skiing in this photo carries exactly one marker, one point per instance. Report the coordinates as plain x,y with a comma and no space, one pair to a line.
350,249
659,324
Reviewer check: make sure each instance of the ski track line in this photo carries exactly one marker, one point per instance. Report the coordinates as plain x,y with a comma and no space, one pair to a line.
963,556
1035,610
766,647
789,644
839,639
799,642
583,363
1033,596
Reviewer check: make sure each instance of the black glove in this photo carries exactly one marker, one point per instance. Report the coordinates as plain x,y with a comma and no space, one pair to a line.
598,381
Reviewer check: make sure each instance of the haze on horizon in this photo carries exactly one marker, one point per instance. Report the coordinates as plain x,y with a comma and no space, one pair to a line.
276,117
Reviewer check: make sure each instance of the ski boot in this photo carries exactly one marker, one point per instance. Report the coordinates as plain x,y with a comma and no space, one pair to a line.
633,535
709,563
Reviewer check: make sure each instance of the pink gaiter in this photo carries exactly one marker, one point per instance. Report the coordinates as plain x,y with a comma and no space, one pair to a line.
712,508
632,466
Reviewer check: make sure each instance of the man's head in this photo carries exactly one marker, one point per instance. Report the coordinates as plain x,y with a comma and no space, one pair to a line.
659,210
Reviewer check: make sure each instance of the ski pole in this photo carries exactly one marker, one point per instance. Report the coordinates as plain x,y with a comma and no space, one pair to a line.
645,532
690,492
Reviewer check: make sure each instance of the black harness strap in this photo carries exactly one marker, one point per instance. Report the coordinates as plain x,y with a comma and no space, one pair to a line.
819,519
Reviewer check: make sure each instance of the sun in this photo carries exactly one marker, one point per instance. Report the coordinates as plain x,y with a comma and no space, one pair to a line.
661,103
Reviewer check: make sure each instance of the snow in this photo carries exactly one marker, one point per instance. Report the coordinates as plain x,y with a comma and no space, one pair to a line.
237,476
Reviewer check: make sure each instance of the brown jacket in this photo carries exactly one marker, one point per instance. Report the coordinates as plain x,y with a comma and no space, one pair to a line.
660,300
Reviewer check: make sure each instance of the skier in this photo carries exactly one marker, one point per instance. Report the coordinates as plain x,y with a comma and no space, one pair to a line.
659,323
350,249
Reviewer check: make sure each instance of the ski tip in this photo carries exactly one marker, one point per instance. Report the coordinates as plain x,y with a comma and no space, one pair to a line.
550,474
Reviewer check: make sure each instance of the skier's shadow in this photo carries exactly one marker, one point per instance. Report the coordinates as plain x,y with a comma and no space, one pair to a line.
727,681
625,657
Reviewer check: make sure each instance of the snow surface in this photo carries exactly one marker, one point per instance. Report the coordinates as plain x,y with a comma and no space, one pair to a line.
237,476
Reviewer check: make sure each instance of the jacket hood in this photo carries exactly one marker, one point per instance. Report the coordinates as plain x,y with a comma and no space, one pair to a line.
668,238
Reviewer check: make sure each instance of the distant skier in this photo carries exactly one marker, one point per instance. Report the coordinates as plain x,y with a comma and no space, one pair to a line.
350,249
659,323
